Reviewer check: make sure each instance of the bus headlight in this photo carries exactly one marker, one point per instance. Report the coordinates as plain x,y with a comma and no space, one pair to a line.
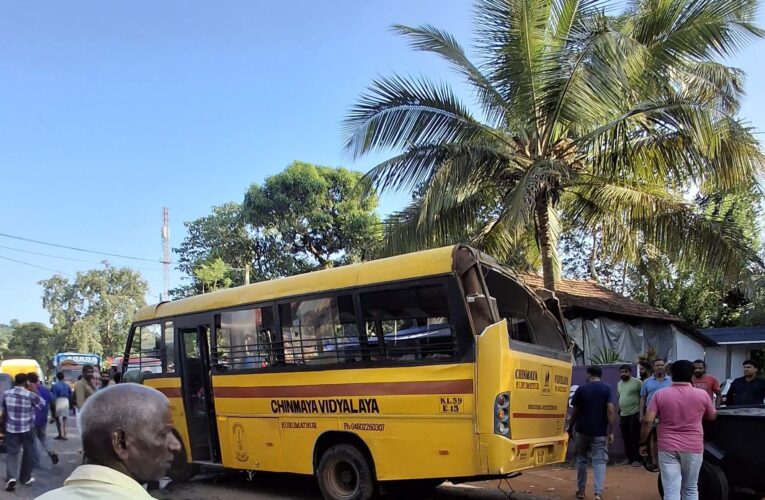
502,414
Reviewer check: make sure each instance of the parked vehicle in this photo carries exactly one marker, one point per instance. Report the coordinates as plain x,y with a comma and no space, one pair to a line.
71,363
734,451
6,382
13,367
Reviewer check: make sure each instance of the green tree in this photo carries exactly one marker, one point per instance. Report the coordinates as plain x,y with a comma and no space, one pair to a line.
31,340
93,313
213,274
6,332
605,122
320,214
225,234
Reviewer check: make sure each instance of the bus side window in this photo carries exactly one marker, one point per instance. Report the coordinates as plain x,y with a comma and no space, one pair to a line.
409,323
527,320
244,339
320,331
151,348
169,335
134,351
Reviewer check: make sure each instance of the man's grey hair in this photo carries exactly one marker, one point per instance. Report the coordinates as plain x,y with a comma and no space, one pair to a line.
122,406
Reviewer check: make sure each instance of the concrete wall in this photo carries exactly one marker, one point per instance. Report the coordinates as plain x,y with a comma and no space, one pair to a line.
717,362
686,347
724,362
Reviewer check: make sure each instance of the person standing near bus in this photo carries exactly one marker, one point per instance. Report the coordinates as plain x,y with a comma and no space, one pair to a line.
749,389
41,417
629,413
19,405
656,382
704,381
85,387
680,410
592,422
61,393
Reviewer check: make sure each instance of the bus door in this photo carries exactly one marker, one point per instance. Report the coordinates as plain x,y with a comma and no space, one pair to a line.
194,334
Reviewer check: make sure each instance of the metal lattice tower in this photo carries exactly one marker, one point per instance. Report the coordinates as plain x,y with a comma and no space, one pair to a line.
165,253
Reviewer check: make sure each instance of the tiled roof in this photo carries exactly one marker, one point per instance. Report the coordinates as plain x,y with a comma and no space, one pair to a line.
737,334
584,294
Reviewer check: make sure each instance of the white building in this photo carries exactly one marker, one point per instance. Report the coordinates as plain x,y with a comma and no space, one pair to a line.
735,344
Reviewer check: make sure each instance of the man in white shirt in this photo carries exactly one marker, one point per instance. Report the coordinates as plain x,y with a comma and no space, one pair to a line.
127,439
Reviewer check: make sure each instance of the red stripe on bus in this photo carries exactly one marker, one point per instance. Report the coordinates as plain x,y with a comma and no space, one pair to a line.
329,390
171,392
538,415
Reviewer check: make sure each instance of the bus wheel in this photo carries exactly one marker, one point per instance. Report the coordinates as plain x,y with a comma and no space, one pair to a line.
712,483
345,474
180,469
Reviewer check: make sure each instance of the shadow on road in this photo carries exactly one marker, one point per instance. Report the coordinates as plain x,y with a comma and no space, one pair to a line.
236,485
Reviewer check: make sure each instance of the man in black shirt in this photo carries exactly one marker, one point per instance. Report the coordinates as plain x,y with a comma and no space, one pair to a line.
749,389
592,418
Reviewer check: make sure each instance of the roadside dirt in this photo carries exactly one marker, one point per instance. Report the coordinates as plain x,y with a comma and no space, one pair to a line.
559,482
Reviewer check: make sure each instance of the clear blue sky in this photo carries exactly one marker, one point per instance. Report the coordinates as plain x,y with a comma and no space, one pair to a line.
111,110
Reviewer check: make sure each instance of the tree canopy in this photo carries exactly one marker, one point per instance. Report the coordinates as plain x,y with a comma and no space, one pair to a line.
602,123
93,312
304,218
321,214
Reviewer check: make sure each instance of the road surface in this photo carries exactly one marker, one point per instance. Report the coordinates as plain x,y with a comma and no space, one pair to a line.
546,483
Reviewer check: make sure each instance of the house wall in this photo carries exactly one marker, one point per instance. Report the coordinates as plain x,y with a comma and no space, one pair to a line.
724,362
717,362
686,347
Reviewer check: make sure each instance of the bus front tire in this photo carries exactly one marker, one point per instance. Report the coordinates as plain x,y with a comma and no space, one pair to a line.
180,468
344,473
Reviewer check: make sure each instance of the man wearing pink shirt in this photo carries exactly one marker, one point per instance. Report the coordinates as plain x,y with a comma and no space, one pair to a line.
680,409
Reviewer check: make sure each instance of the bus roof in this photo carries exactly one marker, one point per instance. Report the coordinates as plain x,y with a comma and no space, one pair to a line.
18,362
413,265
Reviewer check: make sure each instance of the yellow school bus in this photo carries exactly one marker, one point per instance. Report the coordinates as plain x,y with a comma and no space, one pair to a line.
428,366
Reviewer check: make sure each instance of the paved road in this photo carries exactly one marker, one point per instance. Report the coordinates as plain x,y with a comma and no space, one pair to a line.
47,476
236,486
216,485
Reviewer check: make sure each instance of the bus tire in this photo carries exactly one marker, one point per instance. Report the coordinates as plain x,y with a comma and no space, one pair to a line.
344,473
181,470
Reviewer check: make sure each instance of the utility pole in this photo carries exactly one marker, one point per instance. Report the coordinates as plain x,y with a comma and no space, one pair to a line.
166,253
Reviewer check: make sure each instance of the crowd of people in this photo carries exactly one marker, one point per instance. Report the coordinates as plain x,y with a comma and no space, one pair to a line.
126,430
660,415
26,408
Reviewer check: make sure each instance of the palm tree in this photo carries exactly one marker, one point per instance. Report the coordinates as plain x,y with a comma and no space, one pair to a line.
610,122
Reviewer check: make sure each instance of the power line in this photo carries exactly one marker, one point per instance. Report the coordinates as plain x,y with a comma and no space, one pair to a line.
34,265
76,249
68,258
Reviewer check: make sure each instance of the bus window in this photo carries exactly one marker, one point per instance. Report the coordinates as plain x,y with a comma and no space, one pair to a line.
244,339
169,335
320,331
151,348
145,353
527,319
409,323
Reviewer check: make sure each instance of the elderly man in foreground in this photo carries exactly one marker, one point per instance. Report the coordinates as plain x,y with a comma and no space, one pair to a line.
127,439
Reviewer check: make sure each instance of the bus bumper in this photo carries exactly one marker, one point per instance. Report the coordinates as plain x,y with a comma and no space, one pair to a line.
500,455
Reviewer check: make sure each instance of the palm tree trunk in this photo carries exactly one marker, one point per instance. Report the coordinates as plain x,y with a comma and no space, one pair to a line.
593,256
543,230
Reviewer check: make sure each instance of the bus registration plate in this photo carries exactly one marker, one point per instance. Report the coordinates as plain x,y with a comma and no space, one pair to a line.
451,404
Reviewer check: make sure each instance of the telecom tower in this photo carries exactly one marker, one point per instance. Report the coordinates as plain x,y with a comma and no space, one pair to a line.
165,253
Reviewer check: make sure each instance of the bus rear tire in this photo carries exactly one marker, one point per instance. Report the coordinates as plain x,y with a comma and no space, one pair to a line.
344,473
